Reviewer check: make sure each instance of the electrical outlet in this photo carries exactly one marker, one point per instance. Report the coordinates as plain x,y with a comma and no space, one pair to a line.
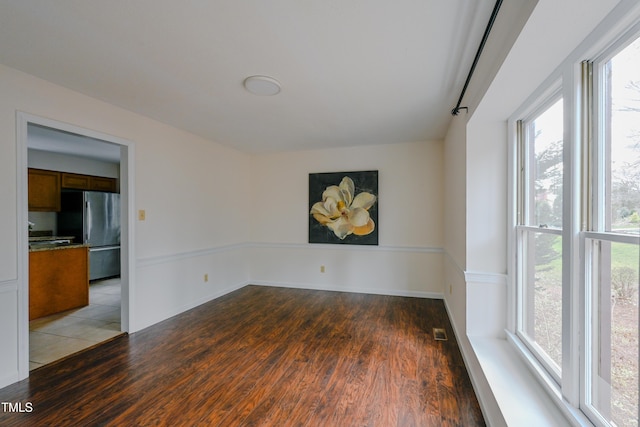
142,215
206,277
322,269
450,288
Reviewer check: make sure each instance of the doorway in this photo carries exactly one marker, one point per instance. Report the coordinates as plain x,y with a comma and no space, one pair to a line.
109,298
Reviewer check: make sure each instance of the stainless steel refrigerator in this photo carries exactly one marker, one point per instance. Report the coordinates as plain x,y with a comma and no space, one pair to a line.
93,218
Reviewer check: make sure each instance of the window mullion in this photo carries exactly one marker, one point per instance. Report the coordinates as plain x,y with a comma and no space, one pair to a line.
588,215
521,171
589,198
570,239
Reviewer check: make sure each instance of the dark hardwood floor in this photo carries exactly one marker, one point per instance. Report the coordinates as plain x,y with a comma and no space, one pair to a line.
264,356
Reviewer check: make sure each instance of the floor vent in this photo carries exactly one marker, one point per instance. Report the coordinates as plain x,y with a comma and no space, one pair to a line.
439,334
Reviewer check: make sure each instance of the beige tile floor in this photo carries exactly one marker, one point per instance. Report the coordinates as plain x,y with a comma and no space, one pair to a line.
59,335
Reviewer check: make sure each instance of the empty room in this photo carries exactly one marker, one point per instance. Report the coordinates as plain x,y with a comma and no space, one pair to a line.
328,213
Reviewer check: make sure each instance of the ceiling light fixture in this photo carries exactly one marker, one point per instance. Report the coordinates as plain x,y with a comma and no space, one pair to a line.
262,85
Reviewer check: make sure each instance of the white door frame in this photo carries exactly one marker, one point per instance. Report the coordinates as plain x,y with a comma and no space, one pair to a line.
127,162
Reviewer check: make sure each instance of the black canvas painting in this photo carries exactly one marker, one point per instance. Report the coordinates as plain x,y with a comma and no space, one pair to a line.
343,208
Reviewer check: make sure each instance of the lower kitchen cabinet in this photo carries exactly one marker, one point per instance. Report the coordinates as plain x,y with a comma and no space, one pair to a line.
58,280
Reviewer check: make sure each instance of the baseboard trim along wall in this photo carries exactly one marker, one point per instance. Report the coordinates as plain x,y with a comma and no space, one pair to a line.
332,288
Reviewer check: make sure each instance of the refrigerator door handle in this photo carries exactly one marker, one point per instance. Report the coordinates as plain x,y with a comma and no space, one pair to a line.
87,222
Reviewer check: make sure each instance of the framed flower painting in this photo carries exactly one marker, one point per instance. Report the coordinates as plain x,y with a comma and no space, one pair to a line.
343,208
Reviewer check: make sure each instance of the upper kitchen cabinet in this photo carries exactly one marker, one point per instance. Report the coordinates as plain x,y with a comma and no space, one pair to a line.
74,180
100,183
44,190
88,182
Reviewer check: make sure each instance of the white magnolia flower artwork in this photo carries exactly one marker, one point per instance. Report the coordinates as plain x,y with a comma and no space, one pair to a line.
345,211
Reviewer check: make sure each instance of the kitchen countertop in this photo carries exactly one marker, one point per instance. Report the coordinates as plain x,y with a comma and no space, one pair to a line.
46,238
39,243
58,247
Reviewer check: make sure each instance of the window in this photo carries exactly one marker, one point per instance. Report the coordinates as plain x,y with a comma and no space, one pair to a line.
612,251
540,234
577,235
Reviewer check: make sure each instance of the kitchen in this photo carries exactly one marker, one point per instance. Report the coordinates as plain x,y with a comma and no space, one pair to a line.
74,238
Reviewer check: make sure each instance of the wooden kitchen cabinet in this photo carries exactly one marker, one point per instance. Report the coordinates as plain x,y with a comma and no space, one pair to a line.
99,183
45,187
44,190
88,182
74,180
58,280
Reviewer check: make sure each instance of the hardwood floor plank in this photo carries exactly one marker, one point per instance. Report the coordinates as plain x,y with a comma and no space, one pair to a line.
264,356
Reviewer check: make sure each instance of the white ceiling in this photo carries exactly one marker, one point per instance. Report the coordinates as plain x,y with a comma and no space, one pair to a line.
353,72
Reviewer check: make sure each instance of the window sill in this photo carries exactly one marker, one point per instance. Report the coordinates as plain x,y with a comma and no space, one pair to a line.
521,398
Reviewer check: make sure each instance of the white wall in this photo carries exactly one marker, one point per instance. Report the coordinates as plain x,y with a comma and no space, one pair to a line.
194,192
408,260
455,220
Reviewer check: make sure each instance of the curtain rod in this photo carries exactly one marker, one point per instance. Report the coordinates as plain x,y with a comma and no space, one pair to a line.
492,19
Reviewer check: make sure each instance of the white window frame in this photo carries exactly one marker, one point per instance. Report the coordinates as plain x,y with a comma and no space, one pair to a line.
571,390
524,226
596,179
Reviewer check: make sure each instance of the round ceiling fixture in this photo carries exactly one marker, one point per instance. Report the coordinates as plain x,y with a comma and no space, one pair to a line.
262,85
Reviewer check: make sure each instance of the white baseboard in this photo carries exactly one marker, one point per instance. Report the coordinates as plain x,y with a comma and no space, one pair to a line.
336,288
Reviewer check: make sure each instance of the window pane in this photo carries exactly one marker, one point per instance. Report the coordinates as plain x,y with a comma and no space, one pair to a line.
546,172
543,297
623,171
615,336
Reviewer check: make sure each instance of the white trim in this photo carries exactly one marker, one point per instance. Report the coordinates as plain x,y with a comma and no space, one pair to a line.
454,263
168,258
22,237
484,277
520,397
334,288
165,259
466,350
548,384
514,130
572,203
477,276
554,231
374,248
127,235
622,19
612,237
